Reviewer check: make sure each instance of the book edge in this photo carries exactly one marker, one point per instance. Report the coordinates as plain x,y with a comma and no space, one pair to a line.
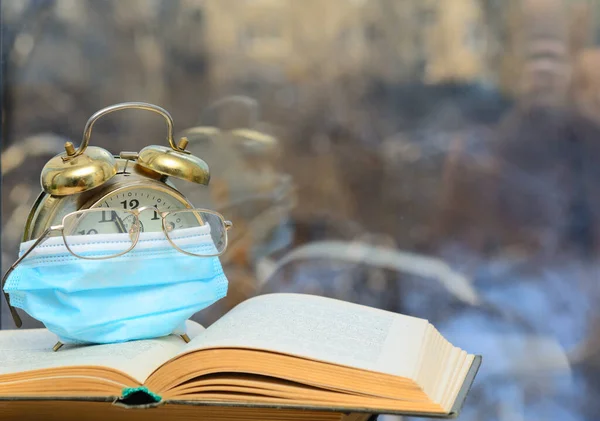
466,387
454,412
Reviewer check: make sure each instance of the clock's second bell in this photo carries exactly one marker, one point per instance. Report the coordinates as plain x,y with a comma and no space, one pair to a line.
172,163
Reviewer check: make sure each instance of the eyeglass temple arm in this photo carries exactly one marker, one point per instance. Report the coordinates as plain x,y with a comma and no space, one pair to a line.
13,311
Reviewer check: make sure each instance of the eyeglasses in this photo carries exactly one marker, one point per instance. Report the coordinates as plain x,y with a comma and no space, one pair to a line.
181,228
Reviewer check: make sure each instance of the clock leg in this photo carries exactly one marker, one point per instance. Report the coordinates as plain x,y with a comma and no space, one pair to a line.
185,337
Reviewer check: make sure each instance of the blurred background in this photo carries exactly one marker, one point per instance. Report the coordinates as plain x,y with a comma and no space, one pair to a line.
436,158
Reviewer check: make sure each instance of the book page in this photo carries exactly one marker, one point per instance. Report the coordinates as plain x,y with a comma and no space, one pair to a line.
323,329
31,349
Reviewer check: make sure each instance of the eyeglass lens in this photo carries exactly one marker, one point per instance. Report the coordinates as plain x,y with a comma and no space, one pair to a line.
78,226
182,227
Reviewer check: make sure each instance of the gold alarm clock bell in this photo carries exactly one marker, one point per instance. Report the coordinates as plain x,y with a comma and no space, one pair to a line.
91,177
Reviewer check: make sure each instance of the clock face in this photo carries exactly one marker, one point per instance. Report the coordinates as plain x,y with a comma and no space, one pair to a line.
104,222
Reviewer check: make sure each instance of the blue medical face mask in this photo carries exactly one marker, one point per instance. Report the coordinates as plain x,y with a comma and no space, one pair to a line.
148,292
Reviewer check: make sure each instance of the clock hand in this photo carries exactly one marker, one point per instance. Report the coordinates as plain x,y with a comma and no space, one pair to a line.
119,223
133,232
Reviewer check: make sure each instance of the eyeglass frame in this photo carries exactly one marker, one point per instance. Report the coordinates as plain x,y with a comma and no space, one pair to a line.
136,212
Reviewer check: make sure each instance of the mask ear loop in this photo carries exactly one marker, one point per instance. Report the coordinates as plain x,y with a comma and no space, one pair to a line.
13,311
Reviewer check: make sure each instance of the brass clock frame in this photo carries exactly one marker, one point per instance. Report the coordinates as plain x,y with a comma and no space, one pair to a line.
80,178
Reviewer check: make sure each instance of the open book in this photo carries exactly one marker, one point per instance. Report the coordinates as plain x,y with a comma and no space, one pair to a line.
289,351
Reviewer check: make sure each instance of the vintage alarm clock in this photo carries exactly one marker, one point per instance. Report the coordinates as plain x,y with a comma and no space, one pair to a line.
92,177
